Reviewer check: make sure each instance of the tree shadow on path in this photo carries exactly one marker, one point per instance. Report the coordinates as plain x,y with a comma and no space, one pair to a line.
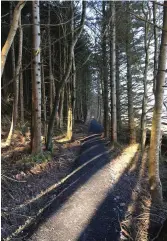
105,223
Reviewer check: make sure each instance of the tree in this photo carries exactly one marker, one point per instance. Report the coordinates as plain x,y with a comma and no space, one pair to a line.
65,78
113,74
131,123
105,70
12,33
36,79
154,179
145,97
16,85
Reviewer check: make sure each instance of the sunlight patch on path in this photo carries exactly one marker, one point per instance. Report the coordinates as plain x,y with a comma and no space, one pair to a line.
119,164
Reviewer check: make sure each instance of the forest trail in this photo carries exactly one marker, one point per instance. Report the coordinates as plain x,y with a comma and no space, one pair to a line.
96,199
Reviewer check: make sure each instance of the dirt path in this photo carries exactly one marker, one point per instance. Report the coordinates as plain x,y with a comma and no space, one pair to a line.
95,201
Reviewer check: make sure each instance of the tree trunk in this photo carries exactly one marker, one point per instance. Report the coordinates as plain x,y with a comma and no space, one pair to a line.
62,109
155,184
50,63
11,35
52,121
131,122
12,46
21,98
144,103
118,92
36,79
113,75
74,88
44,101
16,86
70,113
105,72
155,47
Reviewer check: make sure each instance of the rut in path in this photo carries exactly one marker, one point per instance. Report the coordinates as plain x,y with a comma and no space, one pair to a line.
96,201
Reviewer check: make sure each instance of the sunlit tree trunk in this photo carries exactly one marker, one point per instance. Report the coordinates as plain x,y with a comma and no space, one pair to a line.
131,122
71,83
16,85
113,75
155,47
155,183
36,79
69,114
105,72
12,33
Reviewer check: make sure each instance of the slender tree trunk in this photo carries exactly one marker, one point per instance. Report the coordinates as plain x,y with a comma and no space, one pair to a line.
21,98
131,122
154,179
11,35
118,92
50,63
155,47
105,73
113,75
74,88
52,121
16,86
12,46
144,103
36,79
70,113
62,109
44,100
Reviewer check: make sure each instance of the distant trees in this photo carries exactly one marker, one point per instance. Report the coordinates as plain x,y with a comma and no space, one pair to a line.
65,78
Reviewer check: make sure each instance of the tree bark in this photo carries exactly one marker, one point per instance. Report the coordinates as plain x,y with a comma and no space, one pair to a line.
21,98
131,122
36,80
62,109
12,33
154,179
16,86
145,97
113,75
12,46
118,92
155,47
50,63
105,72
44,100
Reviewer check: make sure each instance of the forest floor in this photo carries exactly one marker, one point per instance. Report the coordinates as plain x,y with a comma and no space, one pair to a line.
101,195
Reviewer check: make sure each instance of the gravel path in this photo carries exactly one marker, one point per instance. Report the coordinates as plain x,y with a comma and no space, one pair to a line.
95,201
